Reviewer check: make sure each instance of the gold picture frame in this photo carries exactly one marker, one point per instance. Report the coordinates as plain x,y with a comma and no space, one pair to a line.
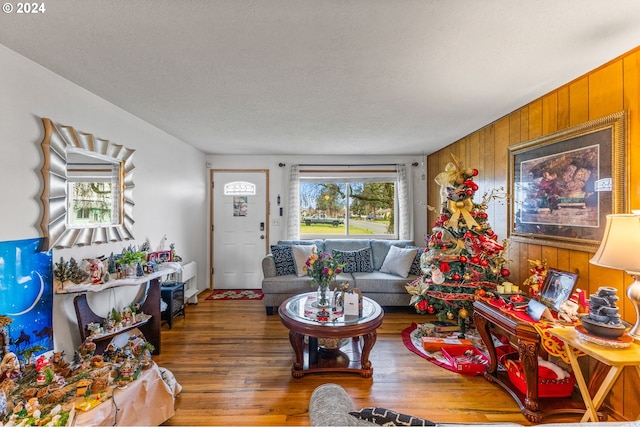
563,185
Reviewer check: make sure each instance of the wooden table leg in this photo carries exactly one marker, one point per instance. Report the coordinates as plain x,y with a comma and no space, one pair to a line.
528,351
297,342
593,405
482,326
365,364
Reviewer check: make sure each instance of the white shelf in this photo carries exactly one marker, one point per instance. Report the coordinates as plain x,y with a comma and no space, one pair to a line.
189,275
163,270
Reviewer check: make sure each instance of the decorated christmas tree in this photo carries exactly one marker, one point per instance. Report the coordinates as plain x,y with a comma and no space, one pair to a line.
463,258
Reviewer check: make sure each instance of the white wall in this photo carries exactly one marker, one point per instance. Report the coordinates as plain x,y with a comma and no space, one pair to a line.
278,182
170,176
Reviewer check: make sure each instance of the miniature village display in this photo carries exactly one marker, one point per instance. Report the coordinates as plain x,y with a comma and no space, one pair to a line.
49,391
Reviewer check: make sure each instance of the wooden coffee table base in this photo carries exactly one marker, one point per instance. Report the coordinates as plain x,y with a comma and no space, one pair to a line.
298,316
310,358
354,358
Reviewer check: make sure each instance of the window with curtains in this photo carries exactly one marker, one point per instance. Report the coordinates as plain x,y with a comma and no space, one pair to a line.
348,203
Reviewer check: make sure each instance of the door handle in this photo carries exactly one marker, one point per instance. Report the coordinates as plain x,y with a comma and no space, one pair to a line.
262,237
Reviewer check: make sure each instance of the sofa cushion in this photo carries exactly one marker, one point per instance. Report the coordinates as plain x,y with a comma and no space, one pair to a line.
398,261
380,248
415,267
379,282
358,261
345,245
318,242
301,254
387,417
283,258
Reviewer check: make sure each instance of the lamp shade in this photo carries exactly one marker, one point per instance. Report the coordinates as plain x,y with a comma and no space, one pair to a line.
620,246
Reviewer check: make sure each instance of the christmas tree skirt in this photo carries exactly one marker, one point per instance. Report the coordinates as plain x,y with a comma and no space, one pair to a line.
413,342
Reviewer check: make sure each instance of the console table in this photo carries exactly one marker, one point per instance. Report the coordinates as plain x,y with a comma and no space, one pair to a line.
486,317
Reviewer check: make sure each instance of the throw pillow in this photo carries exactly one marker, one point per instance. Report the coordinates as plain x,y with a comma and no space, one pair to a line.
358,261
301,254
386,417
415,267
283,257
398,261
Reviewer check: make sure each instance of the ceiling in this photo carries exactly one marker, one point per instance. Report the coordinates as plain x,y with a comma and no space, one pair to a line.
347,77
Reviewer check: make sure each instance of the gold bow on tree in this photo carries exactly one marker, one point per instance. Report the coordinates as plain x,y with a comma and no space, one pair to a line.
461,207
446,179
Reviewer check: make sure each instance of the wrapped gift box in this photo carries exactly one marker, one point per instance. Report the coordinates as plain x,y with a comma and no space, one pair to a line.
436,343
466,358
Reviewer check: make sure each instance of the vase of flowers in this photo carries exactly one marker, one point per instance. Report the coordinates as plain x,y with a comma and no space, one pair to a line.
323,269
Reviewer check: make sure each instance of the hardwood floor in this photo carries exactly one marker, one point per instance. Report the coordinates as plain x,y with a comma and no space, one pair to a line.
234,364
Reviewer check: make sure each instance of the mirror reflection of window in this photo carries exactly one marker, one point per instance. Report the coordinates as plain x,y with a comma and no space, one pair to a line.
93,191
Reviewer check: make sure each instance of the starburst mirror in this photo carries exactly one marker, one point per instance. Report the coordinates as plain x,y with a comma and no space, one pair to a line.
88,185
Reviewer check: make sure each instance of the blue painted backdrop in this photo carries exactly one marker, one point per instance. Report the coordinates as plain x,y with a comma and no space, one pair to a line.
26,293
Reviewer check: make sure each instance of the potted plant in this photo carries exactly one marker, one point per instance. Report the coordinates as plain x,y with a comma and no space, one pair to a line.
130,259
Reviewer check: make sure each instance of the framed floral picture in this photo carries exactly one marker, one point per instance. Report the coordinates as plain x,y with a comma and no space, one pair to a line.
563,185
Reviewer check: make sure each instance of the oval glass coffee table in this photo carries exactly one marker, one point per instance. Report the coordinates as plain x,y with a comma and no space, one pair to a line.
302,318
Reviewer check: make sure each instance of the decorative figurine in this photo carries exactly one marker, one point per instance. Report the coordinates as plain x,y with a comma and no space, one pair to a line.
10,367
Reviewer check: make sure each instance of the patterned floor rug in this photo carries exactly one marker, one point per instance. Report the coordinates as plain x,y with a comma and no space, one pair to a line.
235,294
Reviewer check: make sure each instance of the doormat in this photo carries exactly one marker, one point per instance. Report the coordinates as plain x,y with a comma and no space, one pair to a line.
235,294
413,342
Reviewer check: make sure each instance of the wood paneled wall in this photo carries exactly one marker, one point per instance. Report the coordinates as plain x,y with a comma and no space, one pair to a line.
613,87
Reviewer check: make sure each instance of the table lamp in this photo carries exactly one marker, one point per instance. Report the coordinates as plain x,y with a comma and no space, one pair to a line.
620,249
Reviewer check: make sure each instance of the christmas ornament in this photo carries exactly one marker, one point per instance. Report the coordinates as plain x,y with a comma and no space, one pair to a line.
437,276
538,270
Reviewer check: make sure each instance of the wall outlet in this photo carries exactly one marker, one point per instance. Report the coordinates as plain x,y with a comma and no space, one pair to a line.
275,222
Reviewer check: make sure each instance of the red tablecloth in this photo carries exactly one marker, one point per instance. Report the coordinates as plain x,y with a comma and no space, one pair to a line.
553,345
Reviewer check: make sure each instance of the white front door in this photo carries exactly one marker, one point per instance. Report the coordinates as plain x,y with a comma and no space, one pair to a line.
240,228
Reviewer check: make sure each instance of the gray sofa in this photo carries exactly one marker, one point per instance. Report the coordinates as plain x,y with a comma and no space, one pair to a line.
330,405
387,289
